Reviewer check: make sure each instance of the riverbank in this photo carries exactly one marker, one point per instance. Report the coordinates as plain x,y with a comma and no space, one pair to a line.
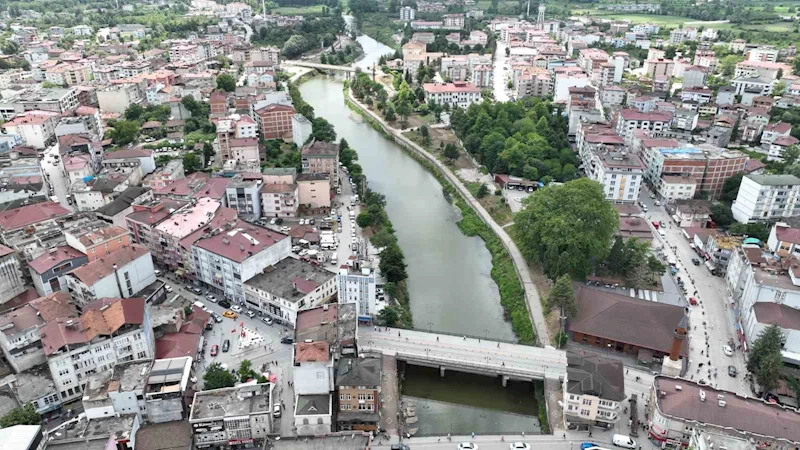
510,271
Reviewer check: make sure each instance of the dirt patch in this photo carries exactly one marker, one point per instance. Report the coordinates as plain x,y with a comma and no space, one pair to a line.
543,285
475,176
414,121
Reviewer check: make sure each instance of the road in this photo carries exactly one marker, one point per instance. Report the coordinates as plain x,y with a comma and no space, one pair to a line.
501,91
712,317
55,175
481,354
272,350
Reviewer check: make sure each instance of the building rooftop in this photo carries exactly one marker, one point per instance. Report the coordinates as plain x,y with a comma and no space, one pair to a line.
291,279
312,352
774,180
320,148
625,319
239,240
231,402
358,372
30,214
175,435
169,375
128,376
334,323
312,405
123,201
19,437
681,398
187,220
95,236
781,315
104,266
32,384
95,430
588,373
458,86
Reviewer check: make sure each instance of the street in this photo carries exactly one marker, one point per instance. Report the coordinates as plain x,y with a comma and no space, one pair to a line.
501,91
711,320
55,175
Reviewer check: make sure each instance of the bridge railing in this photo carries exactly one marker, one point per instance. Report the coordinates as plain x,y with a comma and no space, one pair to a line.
468,336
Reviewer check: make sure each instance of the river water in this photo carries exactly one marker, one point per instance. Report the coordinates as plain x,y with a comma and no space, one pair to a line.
449,274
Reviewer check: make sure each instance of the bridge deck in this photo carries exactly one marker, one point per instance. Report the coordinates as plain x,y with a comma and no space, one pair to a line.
320,66
466,353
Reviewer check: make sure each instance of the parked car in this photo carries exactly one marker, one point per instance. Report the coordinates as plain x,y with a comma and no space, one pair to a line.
276,410
236,308
229,314
157,272
285,229
197,291
519,446
212,299
168,288
267,320
467,446
217,318
587,445
225,303
620,440
287,340
250,313
727,350
695,261
226,345
214,350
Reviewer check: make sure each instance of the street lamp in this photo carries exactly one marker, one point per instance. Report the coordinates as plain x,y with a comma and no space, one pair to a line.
430,326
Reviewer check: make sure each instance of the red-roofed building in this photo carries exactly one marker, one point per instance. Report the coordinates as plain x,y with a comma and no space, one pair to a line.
18,218
111,330
35,128
313,371
98,242
784,240
123,273
775,130
630,120
242,248
458,93
49,269
275,121
779,146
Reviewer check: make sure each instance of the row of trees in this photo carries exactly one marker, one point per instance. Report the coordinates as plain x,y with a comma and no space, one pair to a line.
308,35
633,261
524,138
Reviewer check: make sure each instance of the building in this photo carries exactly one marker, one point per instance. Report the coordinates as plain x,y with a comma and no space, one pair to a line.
287,287
58,100
110,331
357,285
694,77
232,416
594,389
358,385
124,158
685,119
677,404
117,390
335,323
36,129
301,130
313,380
407,13
122,274
20,337
456,94
453,21
147,214
167,385
275,121
659,67
753,85
166,174
235,254
762,54
116,211
12,282
766,198
280,199
35,386
630,120
231,131
49,269
620,173
676,187
244,195
320,157
98,242
168,235
620,323
23,437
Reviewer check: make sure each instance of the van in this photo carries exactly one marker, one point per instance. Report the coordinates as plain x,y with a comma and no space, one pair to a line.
620,440
334,259
661,232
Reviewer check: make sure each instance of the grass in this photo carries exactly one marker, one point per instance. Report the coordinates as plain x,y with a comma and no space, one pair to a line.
298,10
494,204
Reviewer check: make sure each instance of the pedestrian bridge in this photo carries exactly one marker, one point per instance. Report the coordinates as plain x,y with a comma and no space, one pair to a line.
465,354
312,65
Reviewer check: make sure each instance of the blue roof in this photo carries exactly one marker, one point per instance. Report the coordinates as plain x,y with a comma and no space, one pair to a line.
666,150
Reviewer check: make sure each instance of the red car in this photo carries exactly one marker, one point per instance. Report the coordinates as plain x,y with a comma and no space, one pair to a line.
214,350
656,225
692,301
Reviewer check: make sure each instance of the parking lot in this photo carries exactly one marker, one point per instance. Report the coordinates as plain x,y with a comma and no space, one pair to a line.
514,198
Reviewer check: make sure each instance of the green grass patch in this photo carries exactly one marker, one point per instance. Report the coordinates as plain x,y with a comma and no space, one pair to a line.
299,10
541,403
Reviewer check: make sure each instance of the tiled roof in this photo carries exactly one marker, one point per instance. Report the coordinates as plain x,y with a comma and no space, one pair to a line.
53,258
58,304
31,214
102,267
124,154
781,315
241,242
312,352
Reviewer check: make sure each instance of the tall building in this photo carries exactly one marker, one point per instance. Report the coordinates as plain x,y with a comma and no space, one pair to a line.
407,13
767,198
11,280
123,273
322,158
356,282
232,416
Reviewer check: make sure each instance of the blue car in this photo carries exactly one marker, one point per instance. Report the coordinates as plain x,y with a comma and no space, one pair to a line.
587,445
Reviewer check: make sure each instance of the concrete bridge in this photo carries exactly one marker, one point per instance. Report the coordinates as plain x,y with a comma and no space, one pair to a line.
465,354
319,66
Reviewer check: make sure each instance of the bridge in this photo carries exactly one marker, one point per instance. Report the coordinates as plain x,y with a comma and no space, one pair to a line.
319,66
465,354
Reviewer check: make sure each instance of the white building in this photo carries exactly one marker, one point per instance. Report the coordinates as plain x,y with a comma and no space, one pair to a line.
630,120
36,128
593,390
458,93
117,390
620,173
110,330
280,199
122,274
356,281
287,287
235,253
301,129
234,415
407,13
767,198
674,187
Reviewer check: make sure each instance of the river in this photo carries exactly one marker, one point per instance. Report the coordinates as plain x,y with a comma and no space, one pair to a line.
449,274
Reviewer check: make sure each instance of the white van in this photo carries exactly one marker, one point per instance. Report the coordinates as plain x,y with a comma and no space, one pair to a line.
620,440
334,259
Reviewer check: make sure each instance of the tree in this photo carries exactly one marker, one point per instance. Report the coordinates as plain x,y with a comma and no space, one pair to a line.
770,340
483,191
562,296
226,83
322,130
779,89
727,65
730,188
451,152
768,373
246,371
567,228
124,132
426,135
392,263
790,155
616,257
722,215
191,163
403,110
364,219
389,112
389,316
25,415
656,267
216,377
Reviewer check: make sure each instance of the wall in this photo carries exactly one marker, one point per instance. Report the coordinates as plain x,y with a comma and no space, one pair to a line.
315,193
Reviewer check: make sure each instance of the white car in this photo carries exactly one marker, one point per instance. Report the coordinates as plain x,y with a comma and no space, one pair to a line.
276,410
285,229
727,350
519,446
236,308
273,221
212,299
168,288
467,446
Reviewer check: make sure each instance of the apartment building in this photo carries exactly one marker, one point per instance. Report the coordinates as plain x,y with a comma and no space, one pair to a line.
659,67
232,416
20,337
117,390
233,254
358,385
280,199
594,389
676,187
98,242
314,190
275,121
453,20
48,269
319,157
620,173
287,287
58,100
166,174
313,379
301,129
121,274
165,246
109,331
357,285
407,13
36,129
232,128
147,214
763,198
118,97
630,120
457,94
244,195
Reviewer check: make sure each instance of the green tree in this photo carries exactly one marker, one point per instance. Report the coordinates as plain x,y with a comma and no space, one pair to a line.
769,372
226,83
389,316
389,113
483,191
567,228
770,340
393,264
322,130
49,84
216,377
616,261
246,371
451,152
25,415
403,110
727,65
191,163
364,219
124,132
730,188
790,155
779,89
656,267
562,296
721,214
426,135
